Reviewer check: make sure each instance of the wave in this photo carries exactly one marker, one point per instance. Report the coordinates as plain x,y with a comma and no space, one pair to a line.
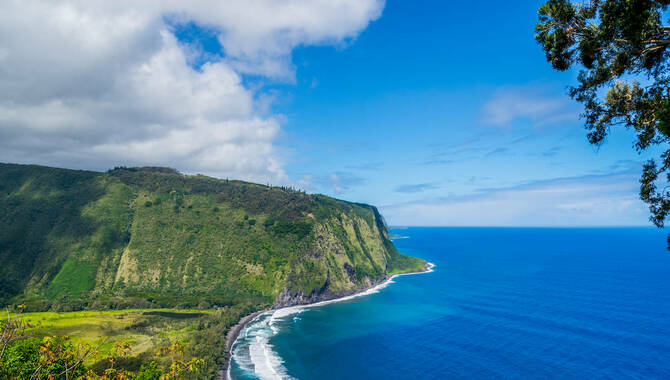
252,350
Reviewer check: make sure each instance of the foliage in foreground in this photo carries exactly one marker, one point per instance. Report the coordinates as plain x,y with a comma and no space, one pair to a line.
622,47
57,358
98,257
137,344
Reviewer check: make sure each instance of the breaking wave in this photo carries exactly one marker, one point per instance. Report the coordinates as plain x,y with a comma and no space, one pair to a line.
253,351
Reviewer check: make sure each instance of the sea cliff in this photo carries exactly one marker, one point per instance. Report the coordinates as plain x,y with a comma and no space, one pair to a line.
150,237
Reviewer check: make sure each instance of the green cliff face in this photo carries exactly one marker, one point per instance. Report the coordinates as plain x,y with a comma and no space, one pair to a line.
151,236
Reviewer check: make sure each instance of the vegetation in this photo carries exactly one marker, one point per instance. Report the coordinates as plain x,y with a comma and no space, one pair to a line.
141,271
151,237
138,343
622,47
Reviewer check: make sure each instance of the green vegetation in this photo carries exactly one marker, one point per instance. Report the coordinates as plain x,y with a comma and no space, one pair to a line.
94,256
622,47
144,334
25,358
151,237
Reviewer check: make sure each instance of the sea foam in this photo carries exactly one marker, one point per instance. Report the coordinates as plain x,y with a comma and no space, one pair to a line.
252,350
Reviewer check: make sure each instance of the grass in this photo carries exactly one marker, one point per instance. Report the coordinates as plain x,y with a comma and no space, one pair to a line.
134,240
152,238
144,330
202,332
415,267
75,278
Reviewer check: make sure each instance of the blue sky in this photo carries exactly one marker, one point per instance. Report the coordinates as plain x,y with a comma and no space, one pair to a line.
440,100
440,113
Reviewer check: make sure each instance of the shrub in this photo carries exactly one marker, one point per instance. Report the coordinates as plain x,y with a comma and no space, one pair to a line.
149,371
48,358
21,359
300,229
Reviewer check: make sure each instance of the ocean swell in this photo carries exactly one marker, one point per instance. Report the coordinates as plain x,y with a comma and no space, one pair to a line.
252,351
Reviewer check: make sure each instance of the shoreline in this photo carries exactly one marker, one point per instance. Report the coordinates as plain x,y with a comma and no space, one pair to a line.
234,332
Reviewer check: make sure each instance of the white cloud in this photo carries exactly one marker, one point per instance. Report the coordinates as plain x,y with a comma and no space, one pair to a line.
593,200
340,182
529,102
94,84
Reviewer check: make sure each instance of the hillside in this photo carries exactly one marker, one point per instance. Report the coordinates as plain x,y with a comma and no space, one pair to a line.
152,237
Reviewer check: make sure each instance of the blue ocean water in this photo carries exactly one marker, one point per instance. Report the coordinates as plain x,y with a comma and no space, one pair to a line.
501,303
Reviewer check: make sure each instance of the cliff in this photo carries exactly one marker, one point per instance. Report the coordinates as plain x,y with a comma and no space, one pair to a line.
154,237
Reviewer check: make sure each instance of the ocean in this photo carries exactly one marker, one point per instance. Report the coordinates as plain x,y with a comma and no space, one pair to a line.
501,303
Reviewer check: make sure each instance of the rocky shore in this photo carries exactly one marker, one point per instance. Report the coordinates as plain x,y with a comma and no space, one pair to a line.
288,299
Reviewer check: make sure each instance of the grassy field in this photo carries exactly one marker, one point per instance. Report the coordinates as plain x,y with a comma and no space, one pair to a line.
144,330
412,267
125,243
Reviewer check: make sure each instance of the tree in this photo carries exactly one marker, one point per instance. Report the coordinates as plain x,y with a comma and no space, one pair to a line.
12,329
622,47
149,371
59,359
119,350
21,359
51,357
175,350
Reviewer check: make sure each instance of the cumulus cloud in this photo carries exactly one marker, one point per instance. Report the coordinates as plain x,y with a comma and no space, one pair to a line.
592,200
93,84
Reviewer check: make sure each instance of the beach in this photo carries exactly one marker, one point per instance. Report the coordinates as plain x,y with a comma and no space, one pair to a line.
501,303
234,332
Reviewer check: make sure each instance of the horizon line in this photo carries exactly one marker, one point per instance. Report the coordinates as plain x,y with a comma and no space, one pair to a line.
522,226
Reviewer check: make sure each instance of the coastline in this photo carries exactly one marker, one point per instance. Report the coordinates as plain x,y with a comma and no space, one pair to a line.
234,332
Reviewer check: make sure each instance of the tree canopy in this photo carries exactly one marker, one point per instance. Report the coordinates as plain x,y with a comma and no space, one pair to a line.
622,49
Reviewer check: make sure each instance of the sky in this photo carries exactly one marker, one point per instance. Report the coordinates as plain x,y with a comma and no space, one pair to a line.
439,113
